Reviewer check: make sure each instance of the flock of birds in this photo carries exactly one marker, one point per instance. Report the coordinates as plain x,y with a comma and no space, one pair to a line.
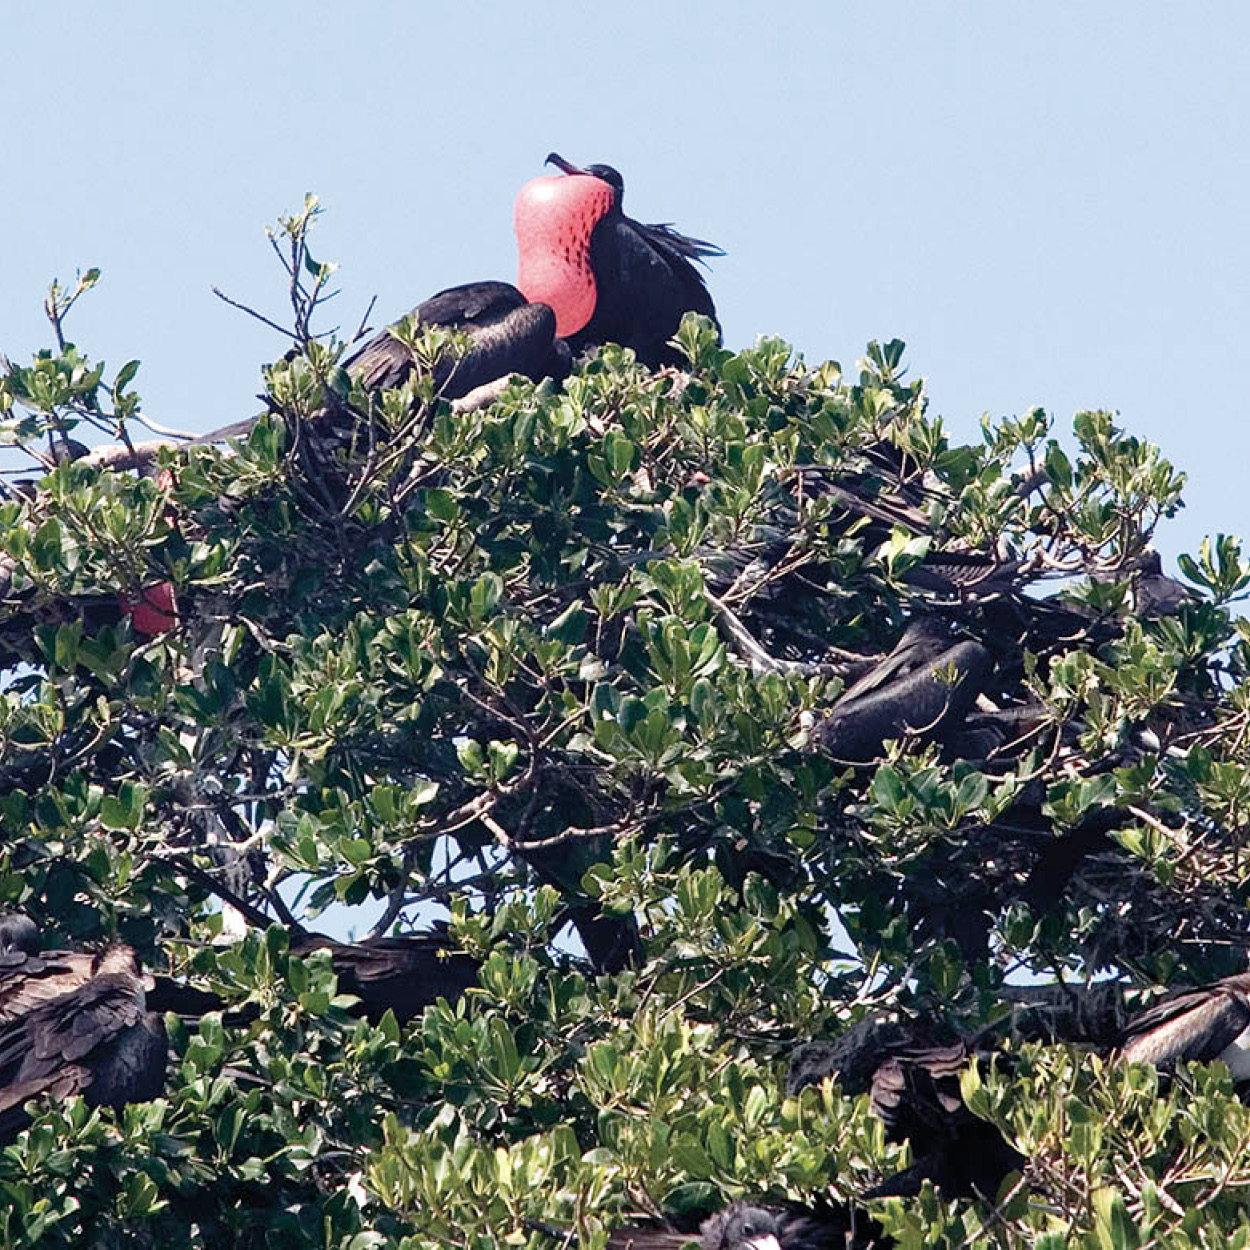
588,274
92,1023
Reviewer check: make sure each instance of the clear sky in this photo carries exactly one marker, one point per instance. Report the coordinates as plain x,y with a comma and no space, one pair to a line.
1047,201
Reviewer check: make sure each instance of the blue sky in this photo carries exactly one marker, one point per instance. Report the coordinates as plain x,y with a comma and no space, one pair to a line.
1048,202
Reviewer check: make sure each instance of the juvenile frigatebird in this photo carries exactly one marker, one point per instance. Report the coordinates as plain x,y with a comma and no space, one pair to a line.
1202,1024
75,1023
767,1226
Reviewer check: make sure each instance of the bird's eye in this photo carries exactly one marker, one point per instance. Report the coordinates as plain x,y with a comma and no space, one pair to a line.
605,173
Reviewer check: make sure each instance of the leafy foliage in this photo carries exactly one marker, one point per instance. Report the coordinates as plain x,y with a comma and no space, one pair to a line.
567,659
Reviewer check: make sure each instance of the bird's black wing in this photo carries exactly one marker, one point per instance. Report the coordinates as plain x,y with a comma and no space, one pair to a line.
508,335
29,981
401,974
675,251
644,283
668,239
916,1093
469,304
928,701
921,643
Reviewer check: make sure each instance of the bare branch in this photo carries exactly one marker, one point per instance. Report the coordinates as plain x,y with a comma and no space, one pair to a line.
251,312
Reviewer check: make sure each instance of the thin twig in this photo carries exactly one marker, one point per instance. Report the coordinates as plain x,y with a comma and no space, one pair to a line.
251,312
363,328
184,864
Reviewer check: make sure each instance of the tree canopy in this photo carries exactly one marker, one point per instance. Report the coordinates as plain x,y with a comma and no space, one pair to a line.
748,731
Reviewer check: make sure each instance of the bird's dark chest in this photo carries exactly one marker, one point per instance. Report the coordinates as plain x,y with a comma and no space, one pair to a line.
639,300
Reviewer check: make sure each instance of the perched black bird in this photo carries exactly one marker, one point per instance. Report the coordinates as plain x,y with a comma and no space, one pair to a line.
1202,1024
609,278
401,974
768,1226
508,335
588,275
74,1023
923,688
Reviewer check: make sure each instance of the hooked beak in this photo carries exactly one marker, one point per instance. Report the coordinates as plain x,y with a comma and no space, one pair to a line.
766,1241
554,158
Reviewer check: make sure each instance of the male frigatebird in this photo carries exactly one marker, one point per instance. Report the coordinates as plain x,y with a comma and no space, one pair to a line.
75,1023
609,278
587,275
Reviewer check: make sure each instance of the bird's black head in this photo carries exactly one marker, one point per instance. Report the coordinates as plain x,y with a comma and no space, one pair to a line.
611,176
605,173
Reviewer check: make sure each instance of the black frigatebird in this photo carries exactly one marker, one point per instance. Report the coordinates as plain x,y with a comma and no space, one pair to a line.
609,278
507,335
587,275
402,974
767,1225
924,687
76,1023
1202,1024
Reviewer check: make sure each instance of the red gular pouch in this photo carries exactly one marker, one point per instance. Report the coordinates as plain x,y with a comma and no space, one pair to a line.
554,217
154,611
